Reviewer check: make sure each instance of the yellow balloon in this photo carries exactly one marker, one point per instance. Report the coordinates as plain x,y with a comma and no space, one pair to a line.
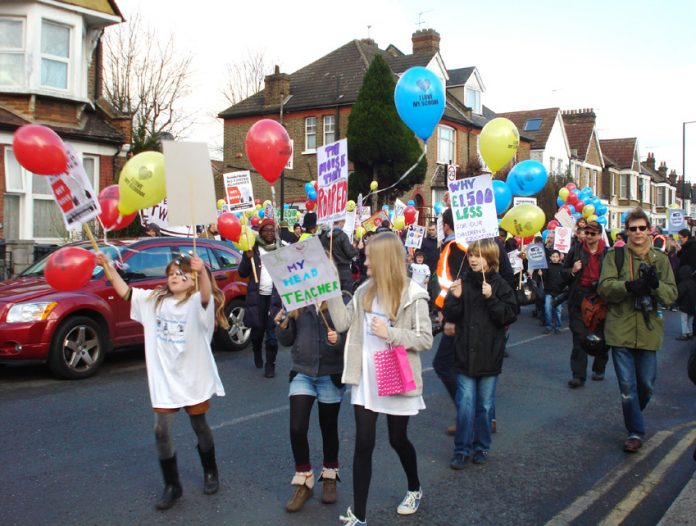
593,217
250,212
247,239
613,233
523,220
563,193
141,183
588,211
259,207
673,206
220,202
399,223
359,232
498,142
374,185
350,205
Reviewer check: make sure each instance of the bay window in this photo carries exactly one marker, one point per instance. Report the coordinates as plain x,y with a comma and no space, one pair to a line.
445,145
12,51
55,55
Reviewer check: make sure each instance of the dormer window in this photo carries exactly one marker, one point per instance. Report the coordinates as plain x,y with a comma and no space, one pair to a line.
473,100
11,51
55,55
532,125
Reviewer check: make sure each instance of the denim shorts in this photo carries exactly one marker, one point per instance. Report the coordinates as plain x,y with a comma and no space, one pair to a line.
321,387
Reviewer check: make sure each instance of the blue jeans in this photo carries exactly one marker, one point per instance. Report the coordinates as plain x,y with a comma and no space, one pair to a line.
552,315
475,406
320,387
636,371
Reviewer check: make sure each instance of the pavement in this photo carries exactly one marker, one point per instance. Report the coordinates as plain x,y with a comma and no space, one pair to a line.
683,509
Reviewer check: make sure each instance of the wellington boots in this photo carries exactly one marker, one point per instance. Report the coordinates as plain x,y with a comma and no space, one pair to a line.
271,353
258,356
211,483
172,486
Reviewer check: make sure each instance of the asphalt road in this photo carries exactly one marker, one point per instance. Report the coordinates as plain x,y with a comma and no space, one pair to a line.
83,452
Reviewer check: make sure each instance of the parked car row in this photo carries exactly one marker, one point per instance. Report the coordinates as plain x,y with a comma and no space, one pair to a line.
72,331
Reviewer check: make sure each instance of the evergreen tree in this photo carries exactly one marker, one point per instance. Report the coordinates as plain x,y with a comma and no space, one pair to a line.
380,145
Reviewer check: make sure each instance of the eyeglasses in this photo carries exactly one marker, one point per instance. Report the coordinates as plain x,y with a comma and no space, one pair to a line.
591,233
642,228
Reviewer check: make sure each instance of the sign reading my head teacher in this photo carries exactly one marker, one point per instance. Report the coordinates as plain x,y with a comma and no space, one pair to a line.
473,208
332,179
302,274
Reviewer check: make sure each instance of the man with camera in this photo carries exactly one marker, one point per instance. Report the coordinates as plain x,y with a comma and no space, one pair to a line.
581,267
633,285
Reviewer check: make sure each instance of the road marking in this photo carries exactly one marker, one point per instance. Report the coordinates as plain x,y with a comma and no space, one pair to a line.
624,508
583,503
252,416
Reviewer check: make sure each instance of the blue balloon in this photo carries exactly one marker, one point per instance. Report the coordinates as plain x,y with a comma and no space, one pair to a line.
308,187
601,209
571,209
438,207
559,202
286,205
596,201
577,215
544,235
587,200
261,213
527,178
385,207
419,97
411,202
623,218
312,194
502,195
602,221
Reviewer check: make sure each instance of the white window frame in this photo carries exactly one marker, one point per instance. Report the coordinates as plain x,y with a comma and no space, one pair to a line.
661,196
329,128
307,134
17,51
446,155
624,191
476,107
56,58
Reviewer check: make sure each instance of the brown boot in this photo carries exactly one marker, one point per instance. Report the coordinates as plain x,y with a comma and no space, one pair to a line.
329,477
302,484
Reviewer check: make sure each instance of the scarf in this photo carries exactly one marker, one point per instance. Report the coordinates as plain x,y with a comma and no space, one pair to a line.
641,252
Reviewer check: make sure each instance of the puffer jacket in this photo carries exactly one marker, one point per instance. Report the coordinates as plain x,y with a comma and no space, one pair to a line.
480,324
253,317
625,325
412,329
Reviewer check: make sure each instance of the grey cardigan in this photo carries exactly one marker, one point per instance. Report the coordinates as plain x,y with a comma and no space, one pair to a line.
412,329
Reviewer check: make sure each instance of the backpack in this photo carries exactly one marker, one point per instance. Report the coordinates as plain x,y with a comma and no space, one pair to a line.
593,308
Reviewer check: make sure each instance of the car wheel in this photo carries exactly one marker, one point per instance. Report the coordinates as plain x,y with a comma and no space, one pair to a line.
238,333
77,350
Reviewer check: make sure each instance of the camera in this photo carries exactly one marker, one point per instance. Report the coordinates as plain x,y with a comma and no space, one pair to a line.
644,303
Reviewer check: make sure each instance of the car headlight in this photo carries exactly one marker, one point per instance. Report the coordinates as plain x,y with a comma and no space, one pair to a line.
26,312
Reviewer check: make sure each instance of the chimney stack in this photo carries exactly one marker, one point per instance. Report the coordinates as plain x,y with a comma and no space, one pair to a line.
425,42
650,161
579,116
276,88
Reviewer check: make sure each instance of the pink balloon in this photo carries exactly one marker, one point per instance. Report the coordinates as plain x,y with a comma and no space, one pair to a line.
268,148
110,216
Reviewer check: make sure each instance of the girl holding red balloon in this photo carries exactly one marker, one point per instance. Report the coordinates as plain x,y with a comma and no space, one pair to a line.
179,319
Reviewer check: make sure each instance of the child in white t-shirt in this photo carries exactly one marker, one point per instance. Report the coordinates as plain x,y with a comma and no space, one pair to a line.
420,272
178,319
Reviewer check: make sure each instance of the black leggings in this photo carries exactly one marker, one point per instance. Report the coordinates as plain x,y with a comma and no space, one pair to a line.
300,411
163,433
365,430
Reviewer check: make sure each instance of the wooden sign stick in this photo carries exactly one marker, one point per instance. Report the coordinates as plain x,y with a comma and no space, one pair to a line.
90,236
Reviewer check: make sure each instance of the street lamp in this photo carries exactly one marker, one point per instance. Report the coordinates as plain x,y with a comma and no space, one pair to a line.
687,212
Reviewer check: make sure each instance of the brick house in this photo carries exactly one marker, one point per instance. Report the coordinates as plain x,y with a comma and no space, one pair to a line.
52,75
663,189
628,188
314,104
586,160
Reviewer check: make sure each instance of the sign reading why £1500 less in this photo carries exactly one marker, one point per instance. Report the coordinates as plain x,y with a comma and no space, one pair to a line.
302,274
332,179
473,208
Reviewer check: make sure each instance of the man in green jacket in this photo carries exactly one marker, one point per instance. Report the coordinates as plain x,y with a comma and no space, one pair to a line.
633,328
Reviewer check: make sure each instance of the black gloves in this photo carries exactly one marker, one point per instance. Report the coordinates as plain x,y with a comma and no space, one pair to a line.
651,278
638,287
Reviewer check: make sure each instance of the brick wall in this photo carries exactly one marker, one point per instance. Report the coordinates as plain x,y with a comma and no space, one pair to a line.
20,104
57,111
2,190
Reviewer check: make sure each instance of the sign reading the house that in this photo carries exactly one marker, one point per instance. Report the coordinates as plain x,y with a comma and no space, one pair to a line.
302,273
332,179
74,193
473,208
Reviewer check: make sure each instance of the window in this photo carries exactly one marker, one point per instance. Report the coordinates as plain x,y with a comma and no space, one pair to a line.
227,260
14,180
445,145
310,134
149,263
623,190
660,196
473,99
594,182
560,167
55,55
11,51
551,163
329,129
532,125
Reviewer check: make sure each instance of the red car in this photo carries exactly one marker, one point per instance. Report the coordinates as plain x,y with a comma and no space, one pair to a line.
72,331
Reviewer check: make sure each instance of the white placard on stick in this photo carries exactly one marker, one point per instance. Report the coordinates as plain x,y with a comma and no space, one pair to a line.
332,179
349,226
524,200
302,274
414,236
239,194
562,239
536,257
473,208
190,186
158,215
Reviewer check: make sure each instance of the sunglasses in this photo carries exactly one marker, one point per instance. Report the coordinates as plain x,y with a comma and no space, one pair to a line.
642,228
591,233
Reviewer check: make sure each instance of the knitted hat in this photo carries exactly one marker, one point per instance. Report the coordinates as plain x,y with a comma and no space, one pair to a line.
266,222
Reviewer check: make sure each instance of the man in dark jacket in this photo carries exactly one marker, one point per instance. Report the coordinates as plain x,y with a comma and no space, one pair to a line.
429,248
342,253
687,253
258,299
582,267
286,235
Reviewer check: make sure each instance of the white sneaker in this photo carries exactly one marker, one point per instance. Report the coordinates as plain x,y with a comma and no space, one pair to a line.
351,520
410,503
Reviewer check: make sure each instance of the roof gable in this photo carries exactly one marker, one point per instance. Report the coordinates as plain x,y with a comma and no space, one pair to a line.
548,118
622,152
103,6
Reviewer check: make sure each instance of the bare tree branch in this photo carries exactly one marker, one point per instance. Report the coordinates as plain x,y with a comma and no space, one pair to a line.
245,77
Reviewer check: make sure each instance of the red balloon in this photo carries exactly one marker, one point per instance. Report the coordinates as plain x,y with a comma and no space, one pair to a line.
553,224
268,148
229,226
527,240
572,198
110,217
69,268
40,150
257,202
254,220
309,205
579,205
314,184
571,186
409,215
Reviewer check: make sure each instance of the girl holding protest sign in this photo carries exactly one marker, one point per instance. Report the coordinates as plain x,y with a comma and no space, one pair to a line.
179,319
388,310
317,364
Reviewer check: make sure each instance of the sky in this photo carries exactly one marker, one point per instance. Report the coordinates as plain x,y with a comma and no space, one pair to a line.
633,62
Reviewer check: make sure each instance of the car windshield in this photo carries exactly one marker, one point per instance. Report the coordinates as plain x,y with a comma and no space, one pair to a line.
37,269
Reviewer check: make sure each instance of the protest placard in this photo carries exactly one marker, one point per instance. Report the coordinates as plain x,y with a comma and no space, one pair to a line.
158,215
349,226
414,236
562,239
190,186
565,219
73,192
239,194
332,179
536,257
524,200
302,274
375,221
473,208
399,207
675,220
440,230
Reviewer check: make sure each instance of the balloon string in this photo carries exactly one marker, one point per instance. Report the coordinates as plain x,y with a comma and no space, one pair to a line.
106,242
375,192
